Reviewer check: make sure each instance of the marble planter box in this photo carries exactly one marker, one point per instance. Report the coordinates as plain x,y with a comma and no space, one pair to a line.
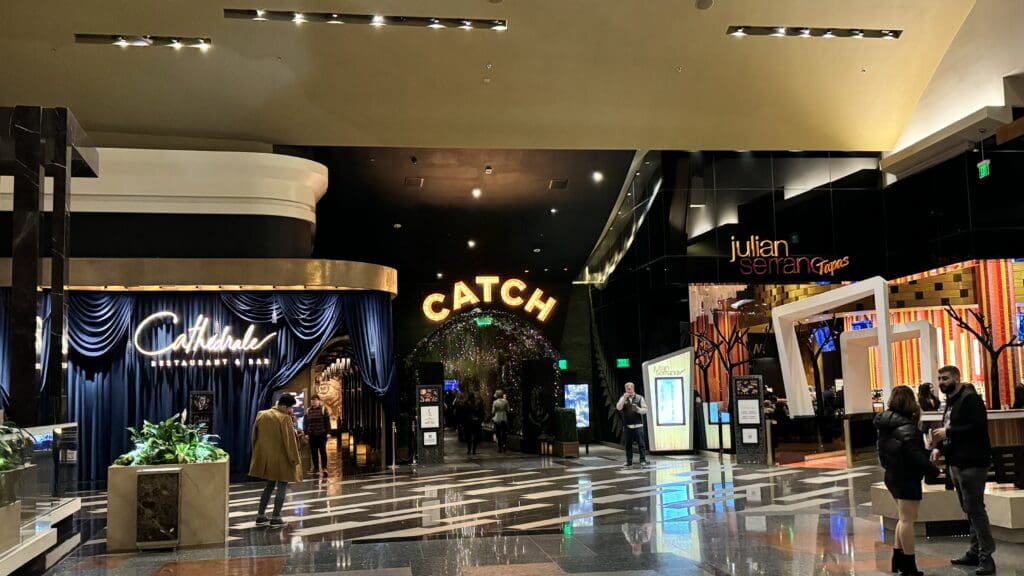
201,499
567,449
10,526
1005,505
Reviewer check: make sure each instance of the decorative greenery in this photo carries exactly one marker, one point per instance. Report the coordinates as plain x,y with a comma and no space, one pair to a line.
15,447
565,422
171,442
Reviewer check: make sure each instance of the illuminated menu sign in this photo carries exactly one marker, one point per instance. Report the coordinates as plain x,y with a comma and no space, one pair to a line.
488,289
757,257
668,386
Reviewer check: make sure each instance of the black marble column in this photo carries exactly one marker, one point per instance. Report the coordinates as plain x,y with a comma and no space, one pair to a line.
55,390
26,132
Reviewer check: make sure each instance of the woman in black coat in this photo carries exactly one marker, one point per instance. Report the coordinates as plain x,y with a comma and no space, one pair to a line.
906,461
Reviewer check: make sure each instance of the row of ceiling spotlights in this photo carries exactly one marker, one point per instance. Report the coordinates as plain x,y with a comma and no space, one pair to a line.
807,32
147,41
369,19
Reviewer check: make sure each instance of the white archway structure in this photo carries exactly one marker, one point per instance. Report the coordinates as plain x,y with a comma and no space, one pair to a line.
854,347
786,317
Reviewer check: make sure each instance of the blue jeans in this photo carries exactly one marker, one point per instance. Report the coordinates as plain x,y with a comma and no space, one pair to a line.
278,500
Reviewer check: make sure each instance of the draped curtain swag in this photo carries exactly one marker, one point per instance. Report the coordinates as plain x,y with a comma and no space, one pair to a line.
111,385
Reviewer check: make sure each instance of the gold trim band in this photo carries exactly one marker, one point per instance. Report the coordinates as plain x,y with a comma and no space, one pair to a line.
218,274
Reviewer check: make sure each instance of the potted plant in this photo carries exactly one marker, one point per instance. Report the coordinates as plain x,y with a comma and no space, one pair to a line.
567,442
171,489
15,459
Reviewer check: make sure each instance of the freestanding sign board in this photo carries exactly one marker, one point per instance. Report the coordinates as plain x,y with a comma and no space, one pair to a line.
750,442
429,425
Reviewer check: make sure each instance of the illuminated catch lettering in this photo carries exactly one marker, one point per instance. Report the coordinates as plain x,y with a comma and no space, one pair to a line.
511,293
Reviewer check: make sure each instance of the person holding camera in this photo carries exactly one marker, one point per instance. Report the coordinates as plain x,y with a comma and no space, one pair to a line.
633,407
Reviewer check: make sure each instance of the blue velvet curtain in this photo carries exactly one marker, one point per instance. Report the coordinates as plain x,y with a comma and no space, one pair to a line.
113,386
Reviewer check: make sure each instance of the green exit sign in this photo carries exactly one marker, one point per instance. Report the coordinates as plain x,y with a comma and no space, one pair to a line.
984,168
563,364
622,362
482,321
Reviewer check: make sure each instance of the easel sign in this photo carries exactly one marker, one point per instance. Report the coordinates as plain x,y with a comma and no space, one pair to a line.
750,441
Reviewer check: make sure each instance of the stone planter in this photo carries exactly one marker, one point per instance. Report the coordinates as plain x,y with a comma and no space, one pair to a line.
566,449
192,511
10,526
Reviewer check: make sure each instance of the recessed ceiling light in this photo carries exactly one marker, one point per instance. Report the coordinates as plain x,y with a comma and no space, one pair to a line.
545,269
335,20
466,25
554,210
779,31
476,192
828,34
859,34
471,243
260,16
378,20
398,226
298,18
435,24
566,269
536,250
805,32
526,271
738,32
500,26
440,275
598,177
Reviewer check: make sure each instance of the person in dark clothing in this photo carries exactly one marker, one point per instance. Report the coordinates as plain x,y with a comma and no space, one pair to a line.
316,426
1018,396
473,414
963,440
633,407
902,454
926,398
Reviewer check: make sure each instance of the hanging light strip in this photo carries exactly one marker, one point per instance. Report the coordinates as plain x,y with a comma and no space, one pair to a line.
377,20
147,41
806,32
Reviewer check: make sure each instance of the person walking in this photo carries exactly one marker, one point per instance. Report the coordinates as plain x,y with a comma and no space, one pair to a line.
474,416
633,407
499,415
963,440
316,426
926,398
902,454
275,456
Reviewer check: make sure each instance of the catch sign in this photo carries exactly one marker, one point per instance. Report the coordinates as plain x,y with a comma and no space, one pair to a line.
512,293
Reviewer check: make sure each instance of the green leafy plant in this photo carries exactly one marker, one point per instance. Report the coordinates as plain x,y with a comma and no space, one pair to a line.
15,446
171,442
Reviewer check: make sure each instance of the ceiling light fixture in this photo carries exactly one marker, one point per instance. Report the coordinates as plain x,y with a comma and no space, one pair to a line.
335,20
536,250
260,16
466,25
146,41
378,21
527,271
554,210
471,243
500,25
476,192
298,18
810,32
440,275
597,176
435,24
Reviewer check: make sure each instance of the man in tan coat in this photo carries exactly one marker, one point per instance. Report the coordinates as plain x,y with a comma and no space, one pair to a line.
275,456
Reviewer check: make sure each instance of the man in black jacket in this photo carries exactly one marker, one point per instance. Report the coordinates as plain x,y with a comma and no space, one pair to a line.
963,440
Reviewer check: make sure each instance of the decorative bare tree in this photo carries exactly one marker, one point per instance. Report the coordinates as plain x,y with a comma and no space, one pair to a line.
704,356
723,347
983,333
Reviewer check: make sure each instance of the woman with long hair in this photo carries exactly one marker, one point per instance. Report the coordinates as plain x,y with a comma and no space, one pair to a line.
903,455
926,397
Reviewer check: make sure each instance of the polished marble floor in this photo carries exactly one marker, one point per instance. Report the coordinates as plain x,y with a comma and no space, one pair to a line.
527,515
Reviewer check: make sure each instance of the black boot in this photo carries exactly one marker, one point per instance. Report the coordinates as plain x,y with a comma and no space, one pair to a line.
909,566
897,559
986,566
